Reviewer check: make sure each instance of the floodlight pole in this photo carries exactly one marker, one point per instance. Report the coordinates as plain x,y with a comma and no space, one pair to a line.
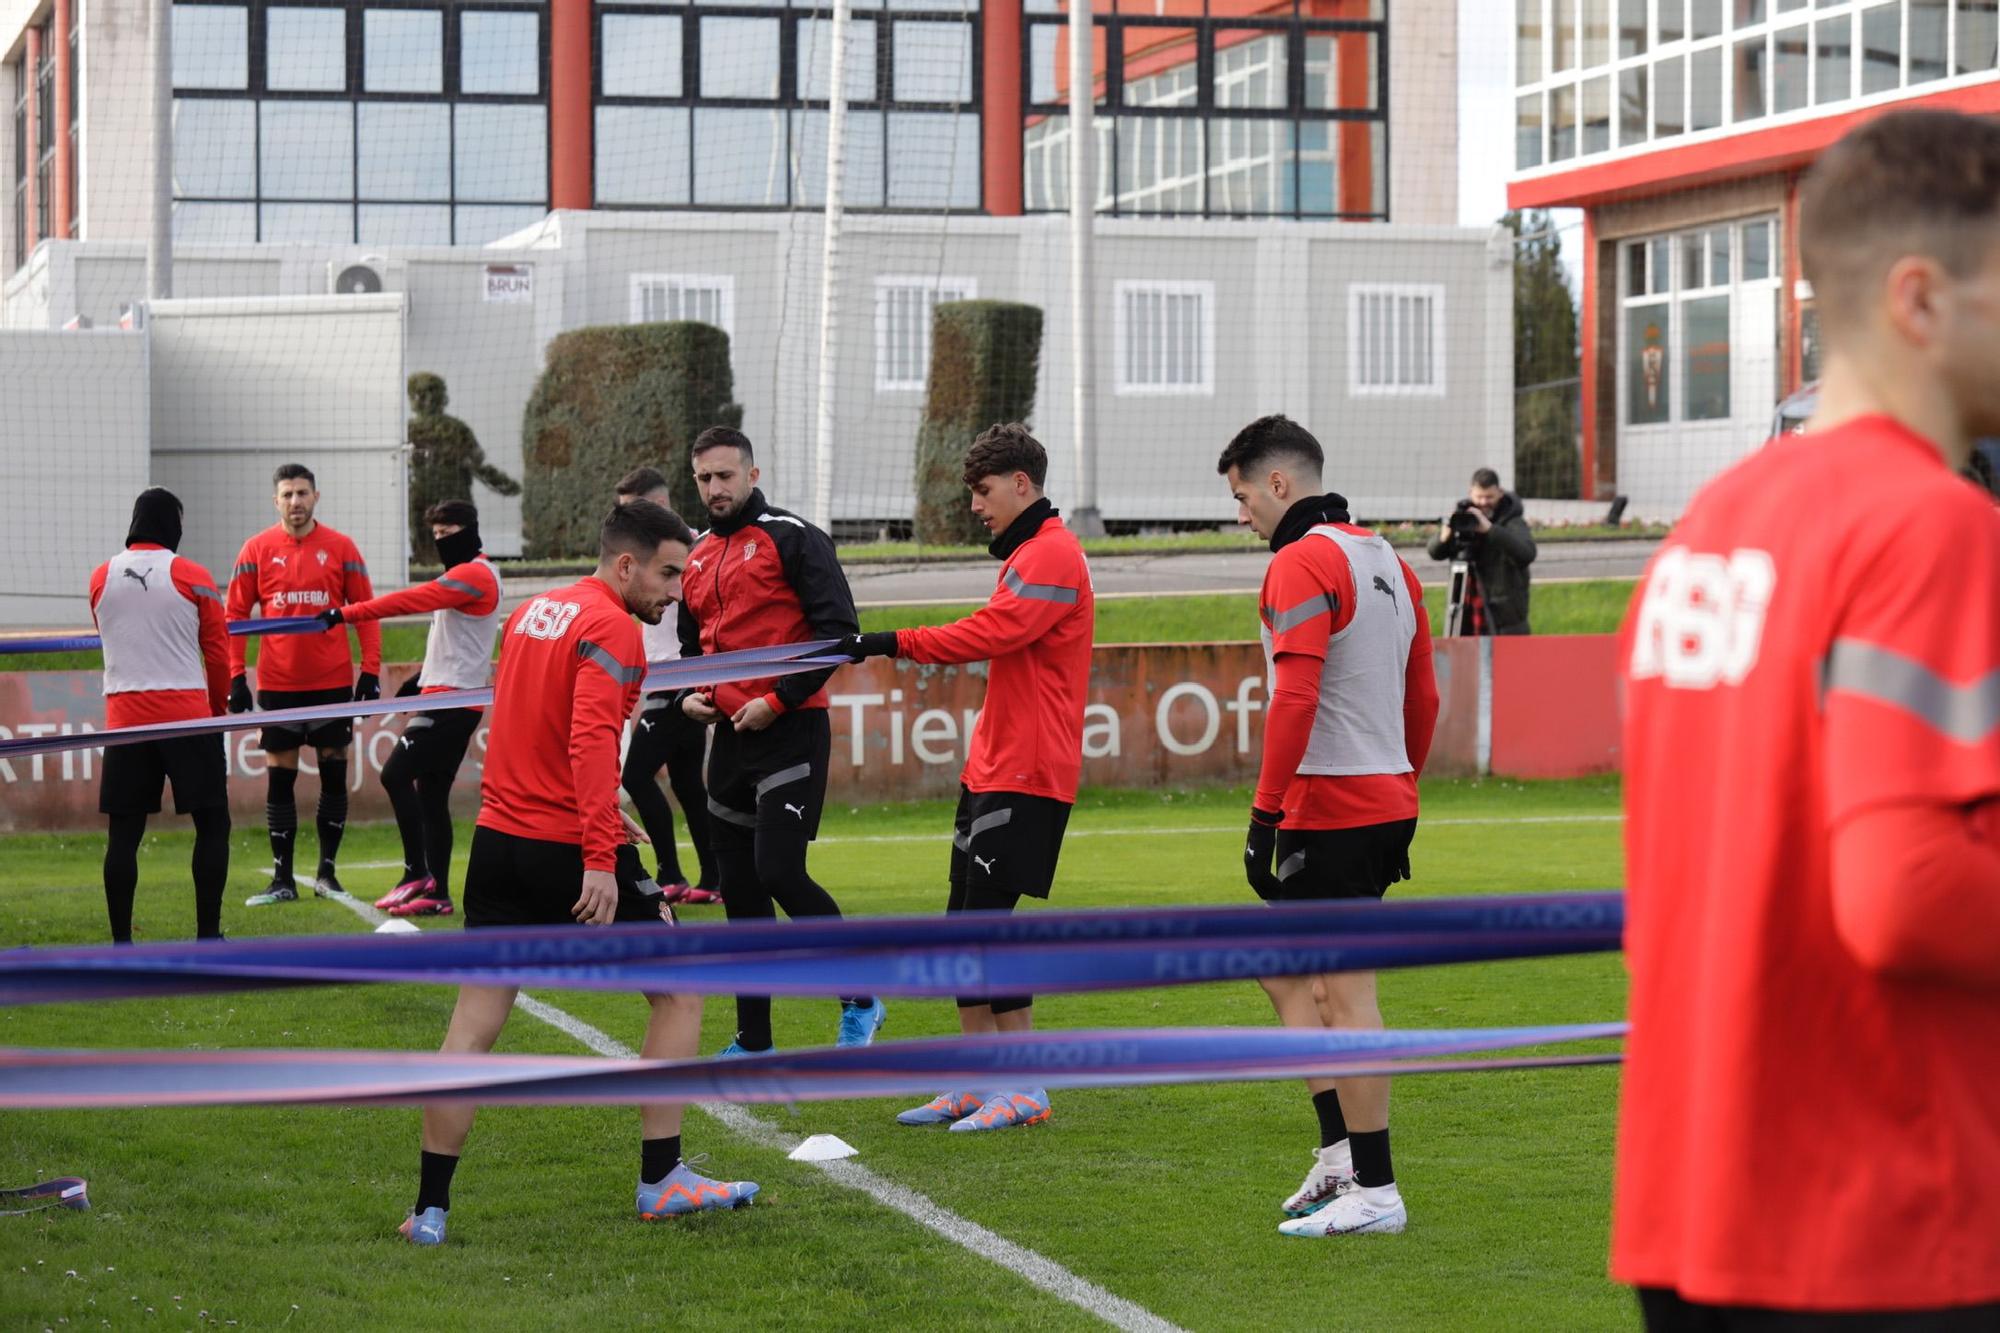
1084,516
829,270
160,238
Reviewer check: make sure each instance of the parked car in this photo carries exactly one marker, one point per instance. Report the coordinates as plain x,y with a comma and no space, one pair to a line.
1791,416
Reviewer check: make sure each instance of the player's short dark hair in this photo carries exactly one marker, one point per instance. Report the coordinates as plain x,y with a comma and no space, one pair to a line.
642,481
638,529
292,472
459,512
1266,440
1486,476
718,437
1907,183
1003,449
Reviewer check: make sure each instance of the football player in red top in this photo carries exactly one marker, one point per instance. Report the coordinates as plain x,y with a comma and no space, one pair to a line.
761,577
300,567
552,847
1809,1126
464,604
165,660
1352,705
1027,747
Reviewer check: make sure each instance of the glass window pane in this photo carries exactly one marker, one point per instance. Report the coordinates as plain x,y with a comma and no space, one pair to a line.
1562,123
306,224
307,151
1756,251
1631,28
933,160
1318,171
481,225
405,224
1341,72
499,53
739,57
1705,328
1647,389
1562,25
1596,33
933,62
642,155
1748,12
1528,39
1659,264
1694,249
1632,120
1527,131
1705,89
1881,48
1718,257
305,50
1930,22
1597,114
1045,45
1788,83
1669,97
642,55
1673,20
1635,269
211,46
1249,168
215,224
1705,19
815,75
502,154
1978,24
739,156
1159,65
215,153
403,51
1833,59
1752,98
862,183
405,150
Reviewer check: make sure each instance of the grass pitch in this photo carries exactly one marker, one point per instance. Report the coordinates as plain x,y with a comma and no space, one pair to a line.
1167,1197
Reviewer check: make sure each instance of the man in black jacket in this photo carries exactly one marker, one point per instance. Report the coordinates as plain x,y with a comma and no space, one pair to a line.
1490,529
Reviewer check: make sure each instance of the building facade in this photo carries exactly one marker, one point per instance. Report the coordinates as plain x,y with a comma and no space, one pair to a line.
1681,128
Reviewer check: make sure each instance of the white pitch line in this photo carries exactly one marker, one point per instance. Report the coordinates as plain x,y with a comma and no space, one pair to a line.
1035,1269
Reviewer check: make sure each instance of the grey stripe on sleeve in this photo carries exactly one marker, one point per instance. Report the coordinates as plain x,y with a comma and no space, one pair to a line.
617,670
1966,713
1324,603
1037,592
459,585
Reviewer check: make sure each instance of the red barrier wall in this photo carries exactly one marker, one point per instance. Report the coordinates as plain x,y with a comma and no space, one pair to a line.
1555,706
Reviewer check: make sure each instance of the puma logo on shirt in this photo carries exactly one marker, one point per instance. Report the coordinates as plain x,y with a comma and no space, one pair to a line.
139,578
985,863
798,810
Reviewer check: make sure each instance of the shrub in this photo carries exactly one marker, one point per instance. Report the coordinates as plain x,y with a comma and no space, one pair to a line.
984,357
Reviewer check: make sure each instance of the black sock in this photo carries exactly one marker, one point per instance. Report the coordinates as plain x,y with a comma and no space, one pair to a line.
332,809
211,870
434,1180
121,873
281,816
657,1157
753,1022
1332,1124
1371,1158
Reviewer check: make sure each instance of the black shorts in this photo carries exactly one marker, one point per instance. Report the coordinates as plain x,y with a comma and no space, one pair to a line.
516,881
1343,862
1666,1312
776,775
133,774
433,745
1004,842
328,735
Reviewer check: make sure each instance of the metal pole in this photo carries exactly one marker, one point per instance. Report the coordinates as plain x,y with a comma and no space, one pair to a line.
160,240
829,291
1085,517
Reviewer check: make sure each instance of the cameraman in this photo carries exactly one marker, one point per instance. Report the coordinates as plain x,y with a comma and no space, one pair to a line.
1490,530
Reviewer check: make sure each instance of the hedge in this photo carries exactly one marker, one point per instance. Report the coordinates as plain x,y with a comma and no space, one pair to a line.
984,358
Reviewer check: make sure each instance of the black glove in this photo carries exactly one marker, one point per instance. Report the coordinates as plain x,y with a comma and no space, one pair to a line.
1258,849
882,643
239,695
411,686
366,687
329,618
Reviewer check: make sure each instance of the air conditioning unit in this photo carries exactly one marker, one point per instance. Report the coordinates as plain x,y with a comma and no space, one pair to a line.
366,275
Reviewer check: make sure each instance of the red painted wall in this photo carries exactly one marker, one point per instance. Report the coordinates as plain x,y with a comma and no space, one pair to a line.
1555,706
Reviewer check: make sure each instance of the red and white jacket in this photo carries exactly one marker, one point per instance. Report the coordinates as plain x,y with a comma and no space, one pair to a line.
166,655
302,576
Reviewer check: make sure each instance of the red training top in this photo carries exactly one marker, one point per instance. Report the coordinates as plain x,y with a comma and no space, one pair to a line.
1317,575
1036,630
1810,1116
166,656
302,576
459,645
571,662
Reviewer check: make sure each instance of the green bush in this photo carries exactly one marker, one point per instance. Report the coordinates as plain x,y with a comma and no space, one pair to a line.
613,398
984,356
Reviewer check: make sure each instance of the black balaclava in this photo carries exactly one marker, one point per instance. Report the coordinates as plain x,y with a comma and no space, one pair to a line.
156,518
460,547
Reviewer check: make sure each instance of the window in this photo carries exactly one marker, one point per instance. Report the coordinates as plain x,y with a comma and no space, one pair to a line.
1163,341
903,308
305,50
1395,339
211,46
500,53
706,298
1684,298
403,51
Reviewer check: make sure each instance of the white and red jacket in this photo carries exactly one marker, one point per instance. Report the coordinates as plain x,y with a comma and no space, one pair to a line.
166,653
302,576
1036,630
464,603
570,665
